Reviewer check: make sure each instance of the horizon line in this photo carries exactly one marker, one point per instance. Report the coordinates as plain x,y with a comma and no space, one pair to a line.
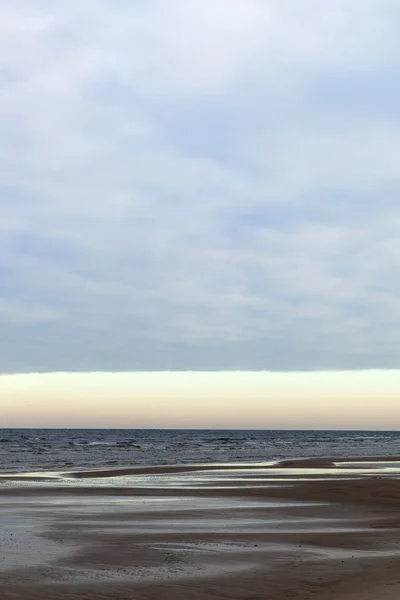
203,429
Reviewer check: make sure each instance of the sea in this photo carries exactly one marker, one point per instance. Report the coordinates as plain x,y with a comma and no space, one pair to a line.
33,450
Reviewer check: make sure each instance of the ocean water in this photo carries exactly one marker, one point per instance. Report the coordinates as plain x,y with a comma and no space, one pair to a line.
27,450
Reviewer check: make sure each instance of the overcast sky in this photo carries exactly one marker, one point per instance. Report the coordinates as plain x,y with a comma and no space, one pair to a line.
199,184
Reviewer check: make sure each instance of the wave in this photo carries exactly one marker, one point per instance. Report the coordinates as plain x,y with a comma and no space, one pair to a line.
113,443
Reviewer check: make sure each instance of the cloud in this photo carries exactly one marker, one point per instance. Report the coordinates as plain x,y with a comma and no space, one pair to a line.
197,184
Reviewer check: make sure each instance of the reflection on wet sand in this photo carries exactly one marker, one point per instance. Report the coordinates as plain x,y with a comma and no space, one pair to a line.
283,530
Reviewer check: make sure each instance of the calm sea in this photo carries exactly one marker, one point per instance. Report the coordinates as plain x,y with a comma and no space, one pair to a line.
54,449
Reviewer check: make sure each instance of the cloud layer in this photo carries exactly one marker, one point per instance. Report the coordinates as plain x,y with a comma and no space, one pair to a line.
199,184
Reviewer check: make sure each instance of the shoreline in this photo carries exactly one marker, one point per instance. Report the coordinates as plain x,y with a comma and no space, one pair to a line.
320,528
328,462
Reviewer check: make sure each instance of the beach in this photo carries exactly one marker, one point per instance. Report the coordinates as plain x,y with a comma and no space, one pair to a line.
318,528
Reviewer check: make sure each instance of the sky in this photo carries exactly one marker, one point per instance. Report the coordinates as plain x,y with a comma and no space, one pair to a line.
199,185
215,400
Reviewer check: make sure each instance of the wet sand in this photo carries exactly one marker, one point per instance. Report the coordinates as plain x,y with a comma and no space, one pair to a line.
322,529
